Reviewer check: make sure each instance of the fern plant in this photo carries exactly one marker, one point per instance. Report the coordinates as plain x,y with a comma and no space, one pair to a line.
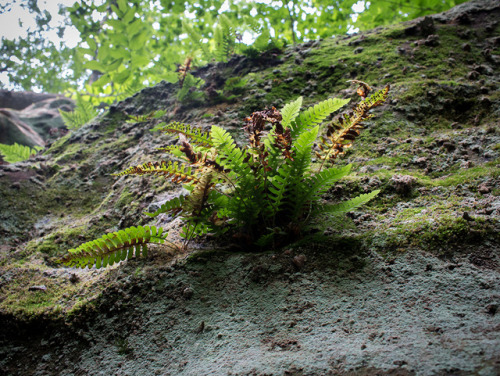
262,193
269,186
83,113
17,153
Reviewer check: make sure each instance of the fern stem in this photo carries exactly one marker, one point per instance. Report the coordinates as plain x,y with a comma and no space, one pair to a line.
189,237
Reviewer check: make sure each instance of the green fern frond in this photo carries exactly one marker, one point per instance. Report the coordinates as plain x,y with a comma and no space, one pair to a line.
83,113
347,206
196,39
230,155
114,247
189,86
322,181
127,89
171,149
17,153
288,183
224,38
316,114
196,135
300,166
174,205
179,173
253,24
279,185
310,190
194,228
290,112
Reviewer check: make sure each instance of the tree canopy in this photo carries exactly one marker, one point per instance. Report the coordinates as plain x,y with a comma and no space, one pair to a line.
128,44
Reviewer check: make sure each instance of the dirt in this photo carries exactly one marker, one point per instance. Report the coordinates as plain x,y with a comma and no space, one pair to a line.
406,285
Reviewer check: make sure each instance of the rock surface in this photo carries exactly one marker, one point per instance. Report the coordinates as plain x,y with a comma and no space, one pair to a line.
407,285
35,124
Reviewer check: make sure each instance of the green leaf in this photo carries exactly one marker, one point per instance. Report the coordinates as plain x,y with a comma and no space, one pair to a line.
92,44
134,27
173,205
122,4
129,16
114,65
347,206
137,42
171,77
16,152
290,112
262,40
121,77
83,113
95,65
114,247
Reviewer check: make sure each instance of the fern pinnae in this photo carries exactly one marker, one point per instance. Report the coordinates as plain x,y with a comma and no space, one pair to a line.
114,247
316,114
83,113
230,156
349,205
321,181
290,111
17,153
342,132
176,172
174,205
196,135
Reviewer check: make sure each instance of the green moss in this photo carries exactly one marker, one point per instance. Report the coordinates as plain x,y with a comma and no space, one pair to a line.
72,152
56,243
464,176
23,302
125,199
434,227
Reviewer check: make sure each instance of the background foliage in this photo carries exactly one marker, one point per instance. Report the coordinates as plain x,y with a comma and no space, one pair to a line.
128,44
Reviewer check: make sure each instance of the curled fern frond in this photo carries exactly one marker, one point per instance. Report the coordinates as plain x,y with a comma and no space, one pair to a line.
114,247
196,135
341,133
257,121
174,206
179,173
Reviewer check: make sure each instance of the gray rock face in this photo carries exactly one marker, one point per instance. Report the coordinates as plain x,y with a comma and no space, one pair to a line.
407,285
35,124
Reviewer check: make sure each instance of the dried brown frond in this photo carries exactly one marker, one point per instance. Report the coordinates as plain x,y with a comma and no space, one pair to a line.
184,70
341,133
257,122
